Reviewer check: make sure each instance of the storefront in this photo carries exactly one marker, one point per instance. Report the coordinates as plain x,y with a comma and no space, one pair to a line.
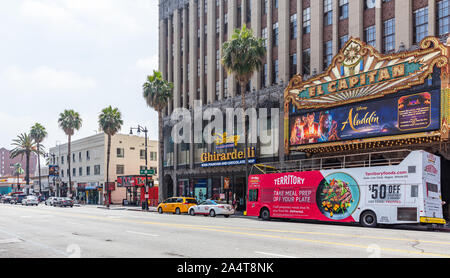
136,191
89,193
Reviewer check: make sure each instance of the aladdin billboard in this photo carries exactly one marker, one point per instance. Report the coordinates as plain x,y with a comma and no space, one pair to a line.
384,117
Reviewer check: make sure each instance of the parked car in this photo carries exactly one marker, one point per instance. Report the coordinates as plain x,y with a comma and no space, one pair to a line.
6,199
30,201
63,202
177,205
17,198
50,201
212,208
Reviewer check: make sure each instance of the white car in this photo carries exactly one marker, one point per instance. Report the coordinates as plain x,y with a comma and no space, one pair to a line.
50,201
30,201
212,208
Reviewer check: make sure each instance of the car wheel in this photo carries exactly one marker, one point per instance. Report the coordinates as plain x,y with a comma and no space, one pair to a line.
212,213
226,215
192,212
265,214
177,211
160,210
368,219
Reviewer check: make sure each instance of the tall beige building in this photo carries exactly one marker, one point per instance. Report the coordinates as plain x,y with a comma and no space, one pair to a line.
302,37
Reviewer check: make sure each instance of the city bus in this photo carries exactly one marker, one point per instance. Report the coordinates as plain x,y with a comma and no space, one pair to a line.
406,193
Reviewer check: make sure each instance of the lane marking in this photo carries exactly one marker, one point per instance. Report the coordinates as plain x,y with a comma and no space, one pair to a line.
142,234
274,255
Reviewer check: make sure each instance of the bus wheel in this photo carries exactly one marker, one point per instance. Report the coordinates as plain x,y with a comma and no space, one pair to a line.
265,214
368,219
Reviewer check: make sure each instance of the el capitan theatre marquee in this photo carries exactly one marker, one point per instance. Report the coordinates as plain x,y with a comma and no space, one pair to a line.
366,99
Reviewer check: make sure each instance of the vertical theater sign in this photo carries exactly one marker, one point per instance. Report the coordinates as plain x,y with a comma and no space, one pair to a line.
369,100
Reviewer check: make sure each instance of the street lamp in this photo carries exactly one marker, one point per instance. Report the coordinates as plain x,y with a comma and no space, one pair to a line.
145,130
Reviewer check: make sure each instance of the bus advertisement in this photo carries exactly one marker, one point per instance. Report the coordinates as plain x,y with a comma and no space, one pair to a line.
401,194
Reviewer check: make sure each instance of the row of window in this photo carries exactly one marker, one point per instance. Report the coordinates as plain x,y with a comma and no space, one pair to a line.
120,153
120,170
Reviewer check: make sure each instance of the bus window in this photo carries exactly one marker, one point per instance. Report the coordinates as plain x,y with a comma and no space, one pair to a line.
414,191
253,195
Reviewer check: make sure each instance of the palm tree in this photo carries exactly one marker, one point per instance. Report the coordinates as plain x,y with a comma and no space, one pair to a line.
38,134
157,93
110,121
242,56
69,121
24,145
18,170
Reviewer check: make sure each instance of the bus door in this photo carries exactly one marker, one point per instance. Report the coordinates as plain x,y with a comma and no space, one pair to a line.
432,200
253,198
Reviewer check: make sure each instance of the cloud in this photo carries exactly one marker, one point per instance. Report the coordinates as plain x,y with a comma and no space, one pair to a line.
86,16
148,64
44,78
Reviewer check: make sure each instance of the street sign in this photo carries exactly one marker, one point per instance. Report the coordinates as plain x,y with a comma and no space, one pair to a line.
148,172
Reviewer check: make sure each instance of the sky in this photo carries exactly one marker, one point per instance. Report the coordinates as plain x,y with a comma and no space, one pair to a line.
75,54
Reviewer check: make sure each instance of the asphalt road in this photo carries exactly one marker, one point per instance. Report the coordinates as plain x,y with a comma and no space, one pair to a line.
91,232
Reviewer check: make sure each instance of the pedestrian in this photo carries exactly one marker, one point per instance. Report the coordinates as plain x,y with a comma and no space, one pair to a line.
234,202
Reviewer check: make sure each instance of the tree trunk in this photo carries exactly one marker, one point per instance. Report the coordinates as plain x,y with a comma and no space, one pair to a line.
39,169
244,107
27,174
108,152
70,170
161,157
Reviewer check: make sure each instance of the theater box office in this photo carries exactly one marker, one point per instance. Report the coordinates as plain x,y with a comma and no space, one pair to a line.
369,102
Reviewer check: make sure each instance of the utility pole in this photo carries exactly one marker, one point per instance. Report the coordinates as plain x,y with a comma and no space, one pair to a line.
145,130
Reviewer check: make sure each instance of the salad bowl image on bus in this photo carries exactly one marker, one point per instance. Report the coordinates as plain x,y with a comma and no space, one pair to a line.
405,193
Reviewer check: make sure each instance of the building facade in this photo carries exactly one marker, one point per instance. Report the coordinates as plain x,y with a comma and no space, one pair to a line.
302,37
6,163
88,165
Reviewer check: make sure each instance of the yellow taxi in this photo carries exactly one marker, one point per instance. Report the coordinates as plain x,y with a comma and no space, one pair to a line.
177,205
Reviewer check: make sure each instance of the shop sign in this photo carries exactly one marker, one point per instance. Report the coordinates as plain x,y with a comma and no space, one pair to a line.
236,157
226,183
223,141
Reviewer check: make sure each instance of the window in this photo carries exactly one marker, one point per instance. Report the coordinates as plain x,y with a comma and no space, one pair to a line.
443,17
88,171
342,41
120,152
414,191
327,54
62,173
420,24
275,34
306,57
264,36
293,65
153,156
217,59
74,172
265,6
369,35
389,35
307,21
62,159
327,12
275,72
97,170
264,74
80,171
120,169
370,4
88,156
217,90
142,154
293,27
343,9
73,157
275,4
79,157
